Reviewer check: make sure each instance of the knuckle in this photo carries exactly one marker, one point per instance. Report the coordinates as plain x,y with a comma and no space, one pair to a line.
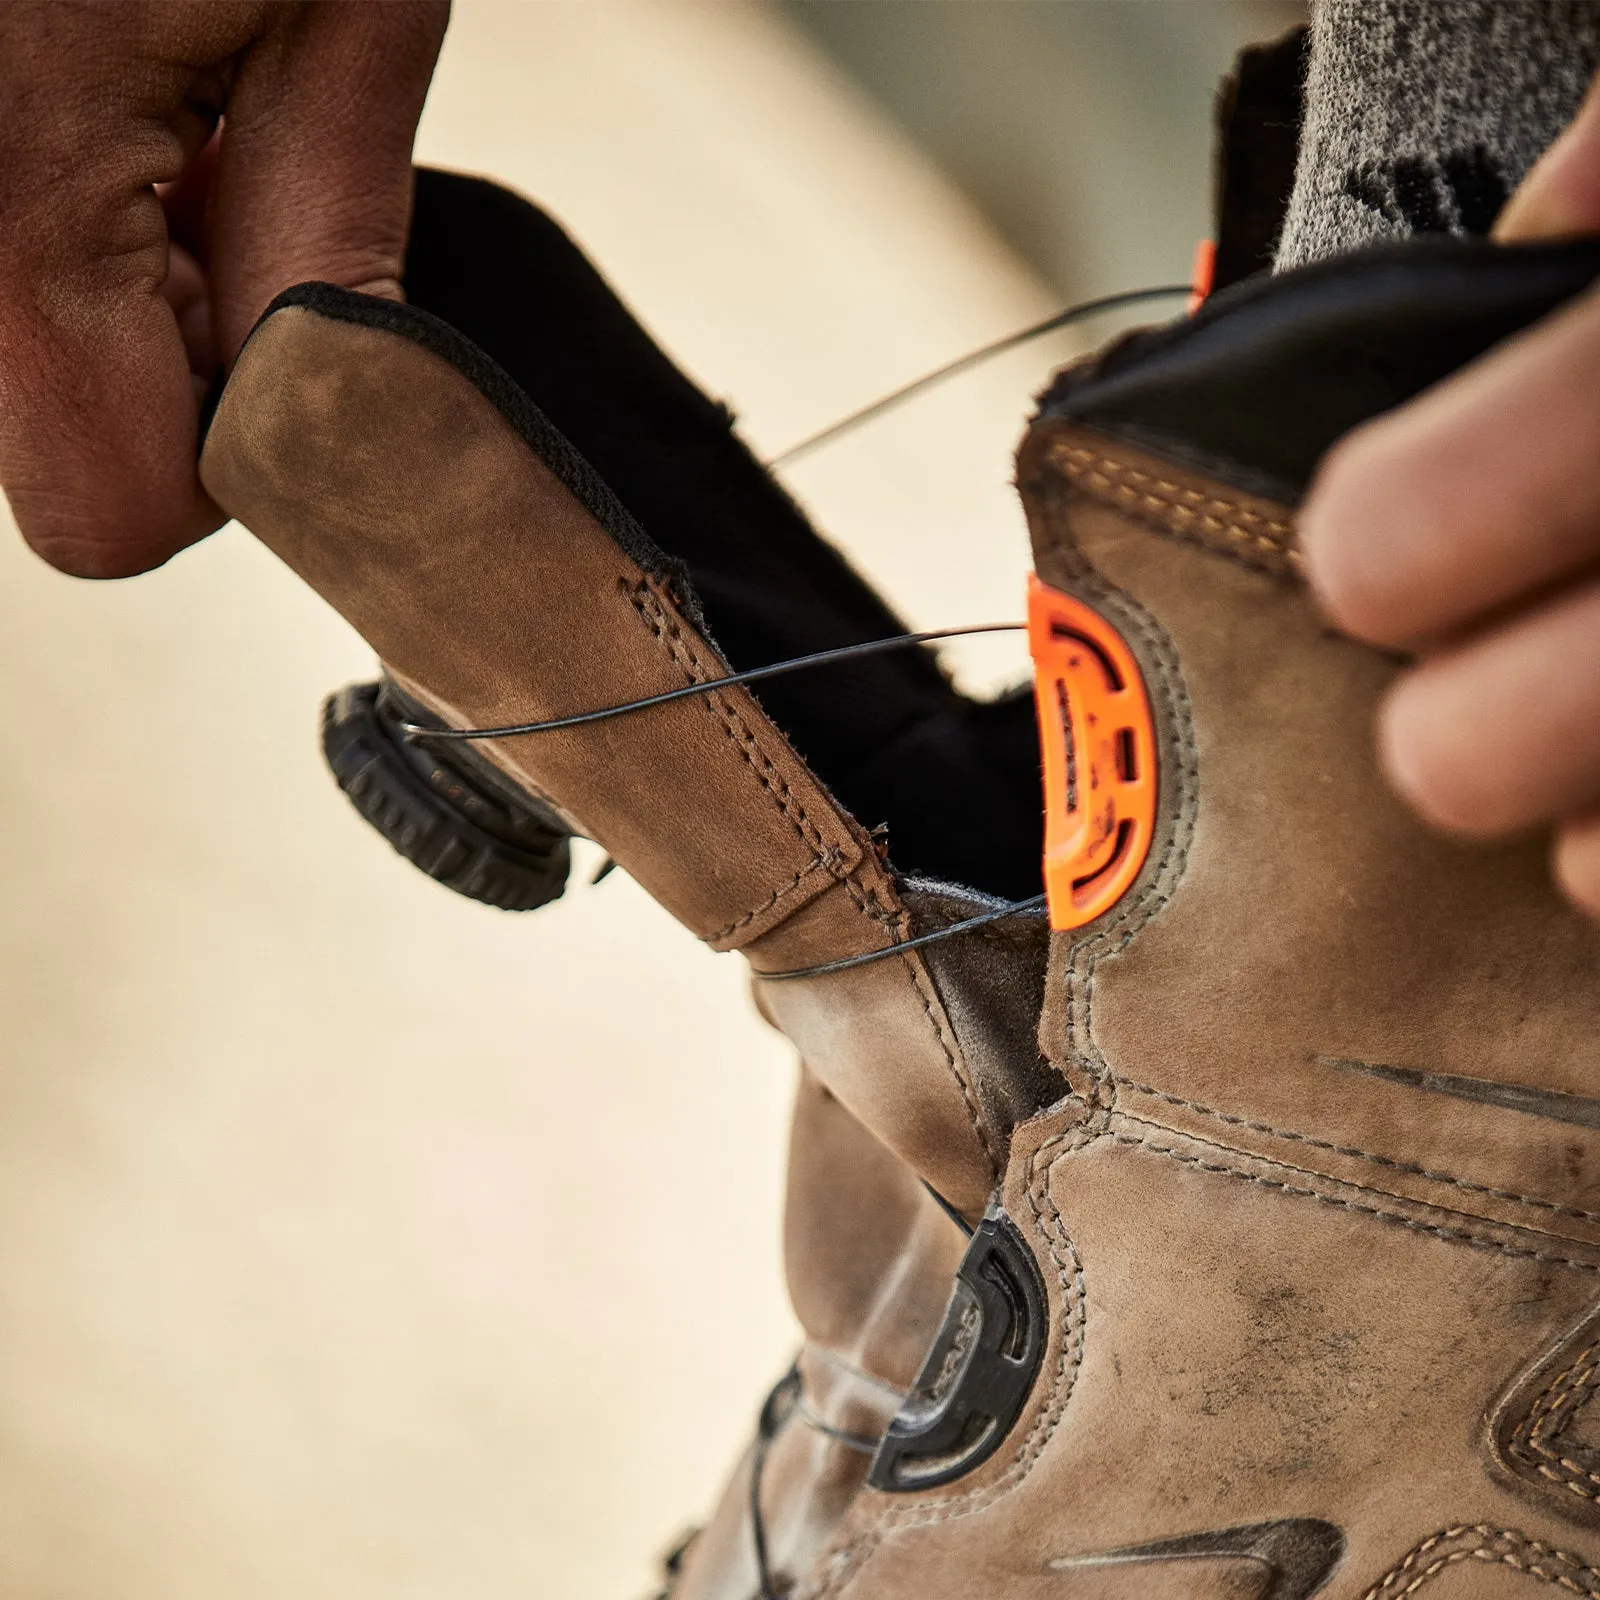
1575,865
1432,755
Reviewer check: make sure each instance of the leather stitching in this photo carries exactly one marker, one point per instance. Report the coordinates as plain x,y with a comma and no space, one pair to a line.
1169,691
1497,1546
1050,1226
664,624
766,905
1232,530
1224,526
1306,1139
921,985
837,1570
843,1565
669,632
1531,1444
1457,1235
1119,933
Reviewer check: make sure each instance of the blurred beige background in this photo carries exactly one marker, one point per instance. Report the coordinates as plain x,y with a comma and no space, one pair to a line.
356,1240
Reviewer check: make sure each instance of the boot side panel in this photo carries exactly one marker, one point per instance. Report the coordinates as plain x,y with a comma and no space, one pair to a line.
870,1258
1318,1223
1239,1358
1328,981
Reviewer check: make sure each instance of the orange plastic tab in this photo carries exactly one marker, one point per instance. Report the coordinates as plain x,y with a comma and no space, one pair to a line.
1202,273
1099,746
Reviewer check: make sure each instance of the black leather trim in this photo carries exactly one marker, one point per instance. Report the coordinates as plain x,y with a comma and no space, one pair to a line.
1267,375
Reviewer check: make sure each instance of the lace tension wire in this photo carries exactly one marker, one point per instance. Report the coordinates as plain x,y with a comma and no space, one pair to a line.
416,731
848,652
1011,908
786,1399
973,358
836,430
775,1411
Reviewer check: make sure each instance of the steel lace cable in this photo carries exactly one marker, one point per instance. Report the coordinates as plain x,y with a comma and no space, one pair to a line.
973,358
816,441
1009,908
820,658
775,1411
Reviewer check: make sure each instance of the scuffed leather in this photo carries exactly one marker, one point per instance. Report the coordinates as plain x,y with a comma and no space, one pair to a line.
499,584
1282,1289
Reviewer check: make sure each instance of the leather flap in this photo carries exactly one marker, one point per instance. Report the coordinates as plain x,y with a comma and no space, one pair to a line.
501,583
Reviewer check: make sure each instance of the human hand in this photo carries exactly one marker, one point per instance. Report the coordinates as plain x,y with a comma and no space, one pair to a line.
1465,527
119,301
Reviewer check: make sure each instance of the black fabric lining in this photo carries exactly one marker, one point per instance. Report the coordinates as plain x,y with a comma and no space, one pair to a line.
1268,374
497,289
955,782
1258,118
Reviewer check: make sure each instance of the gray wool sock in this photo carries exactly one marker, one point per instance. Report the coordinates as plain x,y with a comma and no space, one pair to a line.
1421,116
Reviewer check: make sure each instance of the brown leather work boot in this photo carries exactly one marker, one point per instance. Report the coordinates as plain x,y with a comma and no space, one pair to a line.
1245,1243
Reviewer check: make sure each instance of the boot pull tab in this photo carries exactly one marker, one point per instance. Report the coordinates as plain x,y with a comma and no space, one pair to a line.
1098,743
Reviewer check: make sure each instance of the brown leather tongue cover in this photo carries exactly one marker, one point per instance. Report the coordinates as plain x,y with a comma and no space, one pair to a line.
378,471
501,583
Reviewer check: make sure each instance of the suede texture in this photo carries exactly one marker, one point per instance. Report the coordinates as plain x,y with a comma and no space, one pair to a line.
1318,925
1297,1278
414,486
1224,1352
992,980
495,596
1284,1290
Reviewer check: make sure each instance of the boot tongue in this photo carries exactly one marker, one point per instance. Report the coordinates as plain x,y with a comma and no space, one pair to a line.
402,476
419,492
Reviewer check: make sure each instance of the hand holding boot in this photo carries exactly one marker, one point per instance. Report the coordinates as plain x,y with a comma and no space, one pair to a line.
1465,527
142,241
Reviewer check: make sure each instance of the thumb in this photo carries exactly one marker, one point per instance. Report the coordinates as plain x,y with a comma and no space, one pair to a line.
314,172
1560,197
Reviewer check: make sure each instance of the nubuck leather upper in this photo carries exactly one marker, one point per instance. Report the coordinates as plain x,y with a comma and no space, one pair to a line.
1233,1230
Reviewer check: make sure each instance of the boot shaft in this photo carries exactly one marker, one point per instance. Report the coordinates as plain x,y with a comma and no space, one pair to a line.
1279,1170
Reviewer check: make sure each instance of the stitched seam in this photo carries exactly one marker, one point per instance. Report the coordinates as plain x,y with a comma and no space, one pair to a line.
920,987
666,629
1343,1183
870,903
846,1562
1222,525
1084,957
1069,1362
1547,1419
1363,1155
767,904
1459,1235
1407,1577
